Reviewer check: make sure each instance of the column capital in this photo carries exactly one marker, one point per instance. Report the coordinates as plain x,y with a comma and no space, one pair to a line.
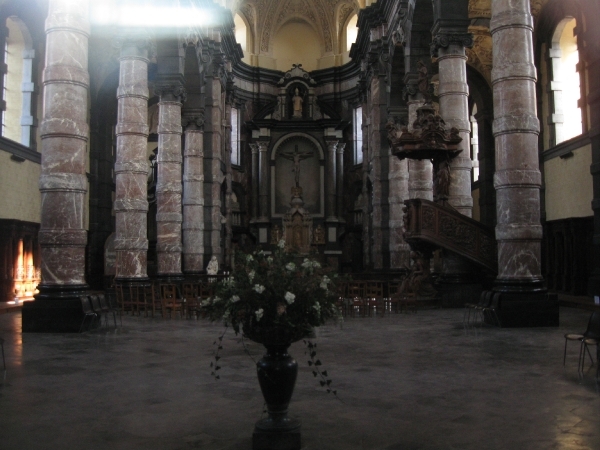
193,120
446,39
341,147
170,91
332,145
135,42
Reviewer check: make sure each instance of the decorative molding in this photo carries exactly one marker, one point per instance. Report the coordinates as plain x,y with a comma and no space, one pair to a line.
175,90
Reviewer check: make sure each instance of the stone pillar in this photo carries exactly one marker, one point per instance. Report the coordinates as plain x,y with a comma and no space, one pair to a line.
193,194
3,65
213,153
420,181
453,93
339,184
375,112
169,180
517,179
255,178
330,194
263,181
399,185
131,167
63,182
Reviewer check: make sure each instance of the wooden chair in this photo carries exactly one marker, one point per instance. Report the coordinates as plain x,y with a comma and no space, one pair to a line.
342,302
189,292
356,294
374,298
392,302
171,301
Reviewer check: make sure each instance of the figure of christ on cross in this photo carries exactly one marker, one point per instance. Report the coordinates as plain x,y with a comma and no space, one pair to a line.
296,157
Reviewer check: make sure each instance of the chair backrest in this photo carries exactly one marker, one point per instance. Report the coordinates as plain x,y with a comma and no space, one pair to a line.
374,289
103,303
190,290
95,303
593,328
86,306
356,289
168,291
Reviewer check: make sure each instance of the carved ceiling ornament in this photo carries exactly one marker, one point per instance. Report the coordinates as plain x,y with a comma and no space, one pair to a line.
480,8
480,56
268,16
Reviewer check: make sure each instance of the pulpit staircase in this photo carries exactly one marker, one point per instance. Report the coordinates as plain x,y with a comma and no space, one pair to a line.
430,226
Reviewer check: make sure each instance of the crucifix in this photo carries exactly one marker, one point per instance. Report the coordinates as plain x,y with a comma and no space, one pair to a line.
296,157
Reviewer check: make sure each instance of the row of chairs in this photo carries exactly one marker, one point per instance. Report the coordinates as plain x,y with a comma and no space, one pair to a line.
96,306
167,299
371,298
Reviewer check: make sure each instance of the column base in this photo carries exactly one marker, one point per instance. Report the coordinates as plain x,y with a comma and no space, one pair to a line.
56,309
527,309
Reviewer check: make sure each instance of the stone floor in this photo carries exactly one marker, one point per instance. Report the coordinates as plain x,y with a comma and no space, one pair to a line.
408,381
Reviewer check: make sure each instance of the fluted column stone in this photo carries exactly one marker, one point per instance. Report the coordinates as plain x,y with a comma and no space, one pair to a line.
255,178
193,194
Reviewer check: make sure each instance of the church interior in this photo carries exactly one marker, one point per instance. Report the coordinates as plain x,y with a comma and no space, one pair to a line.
447,149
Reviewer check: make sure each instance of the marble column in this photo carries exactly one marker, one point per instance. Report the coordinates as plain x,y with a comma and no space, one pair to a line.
263,181
339,183
193,194
330,195
420,178
169,180
213,153
131,167
399,191
63,183
453,93
516,129
255,178
376,110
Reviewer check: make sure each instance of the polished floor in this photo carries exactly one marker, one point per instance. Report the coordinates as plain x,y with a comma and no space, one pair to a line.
404,382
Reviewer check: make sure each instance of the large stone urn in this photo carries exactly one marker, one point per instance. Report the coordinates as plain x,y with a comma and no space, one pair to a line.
277,371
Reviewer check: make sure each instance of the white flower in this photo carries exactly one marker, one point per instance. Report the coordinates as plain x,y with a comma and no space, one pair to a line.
324,282
289,297
205,303
317,307
251,275
290,266
281,243
216,299
230,281
270,260
259,314
235,298
226,315
249,258
259,288
261,253
323,285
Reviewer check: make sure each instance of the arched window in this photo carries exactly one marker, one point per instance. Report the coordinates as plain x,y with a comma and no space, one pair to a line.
240,32
564,86
351,32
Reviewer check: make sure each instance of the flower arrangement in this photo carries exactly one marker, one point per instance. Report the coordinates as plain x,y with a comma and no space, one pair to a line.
275,297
